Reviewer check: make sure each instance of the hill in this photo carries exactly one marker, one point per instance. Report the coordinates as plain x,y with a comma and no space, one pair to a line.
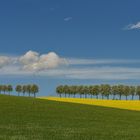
23,118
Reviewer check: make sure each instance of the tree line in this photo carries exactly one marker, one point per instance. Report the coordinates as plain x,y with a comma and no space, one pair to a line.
103,90
20,89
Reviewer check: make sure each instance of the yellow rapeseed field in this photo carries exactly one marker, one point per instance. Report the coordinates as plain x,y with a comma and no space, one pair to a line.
121,104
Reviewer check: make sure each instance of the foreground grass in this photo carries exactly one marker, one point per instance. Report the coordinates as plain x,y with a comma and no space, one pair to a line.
35,119
121,104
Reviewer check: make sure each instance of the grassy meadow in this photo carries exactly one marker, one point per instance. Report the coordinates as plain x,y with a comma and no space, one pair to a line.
24,118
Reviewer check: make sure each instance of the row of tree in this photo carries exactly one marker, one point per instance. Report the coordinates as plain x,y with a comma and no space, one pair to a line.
104,90
24,89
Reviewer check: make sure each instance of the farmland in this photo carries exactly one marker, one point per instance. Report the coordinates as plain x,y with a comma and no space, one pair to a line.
121,104
25,118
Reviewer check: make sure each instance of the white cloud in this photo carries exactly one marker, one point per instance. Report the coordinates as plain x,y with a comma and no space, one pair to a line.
75,61
67,18
100,73
52,65
29,58
133,26
106,73
32,61
4,61
94,73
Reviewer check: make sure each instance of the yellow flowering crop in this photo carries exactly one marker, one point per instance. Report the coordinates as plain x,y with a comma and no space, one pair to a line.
122,104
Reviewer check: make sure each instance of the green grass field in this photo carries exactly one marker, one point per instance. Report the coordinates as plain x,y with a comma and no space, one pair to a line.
24,118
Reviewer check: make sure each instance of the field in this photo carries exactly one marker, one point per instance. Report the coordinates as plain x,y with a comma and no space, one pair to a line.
23,118
121,104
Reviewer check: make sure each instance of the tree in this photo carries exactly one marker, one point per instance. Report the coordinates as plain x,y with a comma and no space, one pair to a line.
114,91
59,90
70,90
102,90
0,88
86,91
120,90
81,91
105,90
4,88
24,89
74,90
132,91
9,88
138,91
34,89
126,91
65,90
91,91
29,90
95,90
18,89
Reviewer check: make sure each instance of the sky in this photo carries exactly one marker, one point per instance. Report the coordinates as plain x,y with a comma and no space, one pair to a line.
53,42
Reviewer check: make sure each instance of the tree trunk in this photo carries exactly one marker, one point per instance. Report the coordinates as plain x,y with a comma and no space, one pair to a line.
126,97
114,97
139,97
120,97
108,97
132,97
102,97
96,96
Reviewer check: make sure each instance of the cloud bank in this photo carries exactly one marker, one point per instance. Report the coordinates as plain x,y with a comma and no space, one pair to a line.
52,65
4,61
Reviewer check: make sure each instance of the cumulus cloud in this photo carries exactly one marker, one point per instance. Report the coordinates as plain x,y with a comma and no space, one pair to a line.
29,57
31,61
133,26
34,62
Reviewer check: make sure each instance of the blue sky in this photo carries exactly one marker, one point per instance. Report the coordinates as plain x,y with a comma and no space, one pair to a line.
93,41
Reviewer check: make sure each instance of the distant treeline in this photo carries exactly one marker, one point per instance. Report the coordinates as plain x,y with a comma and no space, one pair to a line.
104,90
24,89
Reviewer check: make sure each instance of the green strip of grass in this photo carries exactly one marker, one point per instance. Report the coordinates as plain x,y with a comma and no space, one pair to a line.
24,118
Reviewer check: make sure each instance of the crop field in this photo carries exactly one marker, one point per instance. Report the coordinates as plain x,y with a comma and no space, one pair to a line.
121,104
24,118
